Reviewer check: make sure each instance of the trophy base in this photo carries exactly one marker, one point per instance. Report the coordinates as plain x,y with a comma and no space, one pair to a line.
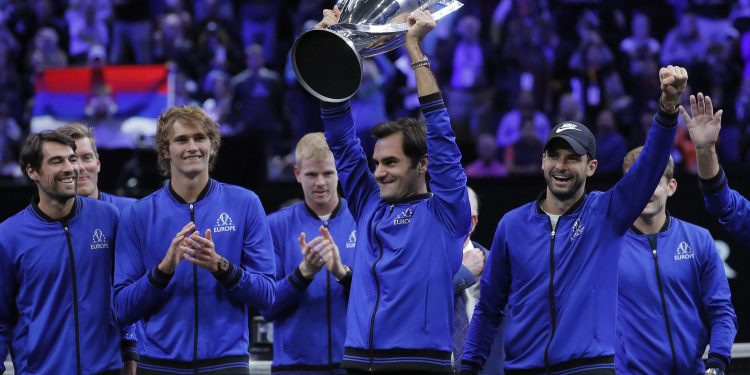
327,65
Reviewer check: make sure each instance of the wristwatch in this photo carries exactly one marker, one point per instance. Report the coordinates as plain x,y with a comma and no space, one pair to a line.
223,265
714,371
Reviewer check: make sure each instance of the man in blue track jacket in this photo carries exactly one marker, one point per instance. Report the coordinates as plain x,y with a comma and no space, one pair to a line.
553,262
674,297
56,271
87,185
732,209
192,258
309,313
400,312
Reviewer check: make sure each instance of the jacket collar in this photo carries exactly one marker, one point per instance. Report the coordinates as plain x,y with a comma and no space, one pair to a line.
41,214
333,214
664,227
179,199
543,195
411,198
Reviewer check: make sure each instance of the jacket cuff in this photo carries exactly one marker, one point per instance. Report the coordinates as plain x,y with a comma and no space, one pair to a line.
714,184
667,120
717,361
334,109
298,281
463,279
159,279
469,368
128,350
431,102
230,277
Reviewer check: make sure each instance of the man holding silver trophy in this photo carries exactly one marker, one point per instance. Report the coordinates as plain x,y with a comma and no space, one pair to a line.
400,310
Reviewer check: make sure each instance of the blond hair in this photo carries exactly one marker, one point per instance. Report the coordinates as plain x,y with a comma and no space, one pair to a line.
312,146
188,116
77,130
631,156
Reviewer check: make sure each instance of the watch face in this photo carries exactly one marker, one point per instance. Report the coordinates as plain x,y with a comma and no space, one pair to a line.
223,264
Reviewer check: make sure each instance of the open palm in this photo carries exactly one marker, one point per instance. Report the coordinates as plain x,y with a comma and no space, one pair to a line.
704,125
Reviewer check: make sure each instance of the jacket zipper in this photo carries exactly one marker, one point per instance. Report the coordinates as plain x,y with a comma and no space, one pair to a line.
75,297
652,241
551,293
328,314
195,302
377,296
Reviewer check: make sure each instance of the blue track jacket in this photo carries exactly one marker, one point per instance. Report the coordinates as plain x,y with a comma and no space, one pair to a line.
309,315
56,291
120,202
400,313
193,319
732,209
560,285
673,300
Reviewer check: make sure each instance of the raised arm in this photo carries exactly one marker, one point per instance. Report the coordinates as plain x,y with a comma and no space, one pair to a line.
631,194
447,177
732,209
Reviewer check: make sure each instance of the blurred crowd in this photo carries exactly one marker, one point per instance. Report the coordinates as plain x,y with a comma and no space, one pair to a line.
509,70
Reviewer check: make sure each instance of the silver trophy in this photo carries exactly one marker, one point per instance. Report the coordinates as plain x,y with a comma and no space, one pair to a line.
328,62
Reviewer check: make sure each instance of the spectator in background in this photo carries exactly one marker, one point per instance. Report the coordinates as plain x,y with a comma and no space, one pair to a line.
466,69
509,130
368,105
216,50
172,45
87,25
46,52
11,88
684,44
595,83
568,109
486,164
524,155
608,138
640,45
219,102
10,138
259,20
131,32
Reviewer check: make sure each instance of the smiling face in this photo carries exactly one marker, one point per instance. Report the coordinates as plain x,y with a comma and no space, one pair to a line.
89,167
189,150
57,174
395,173
565,171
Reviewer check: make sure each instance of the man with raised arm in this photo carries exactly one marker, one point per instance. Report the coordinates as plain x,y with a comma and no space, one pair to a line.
400,311
732,209
553,262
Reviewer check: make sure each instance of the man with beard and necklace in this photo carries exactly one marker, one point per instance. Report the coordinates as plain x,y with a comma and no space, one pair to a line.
674,297
56,259
554,261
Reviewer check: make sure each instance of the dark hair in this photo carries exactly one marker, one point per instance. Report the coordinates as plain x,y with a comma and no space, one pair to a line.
415,136
31,151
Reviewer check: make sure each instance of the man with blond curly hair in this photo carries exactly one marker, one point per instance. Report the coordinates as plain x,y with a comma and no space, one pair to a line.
192,258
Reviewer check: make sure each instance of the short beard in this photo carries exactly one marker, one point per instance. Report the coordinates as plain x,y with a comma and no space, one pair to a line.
566,195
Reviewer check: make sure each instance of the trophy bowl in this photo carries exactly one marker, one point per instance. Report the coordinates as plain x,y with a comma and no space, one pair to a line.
328,62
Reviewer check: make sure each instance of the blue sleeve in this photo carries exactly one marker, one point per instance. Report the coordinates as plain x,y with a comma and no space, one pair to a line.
289,288
138,291
351,162
630,195
489,312
731,208
717,305
8,312
253,282
447,177
462,280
